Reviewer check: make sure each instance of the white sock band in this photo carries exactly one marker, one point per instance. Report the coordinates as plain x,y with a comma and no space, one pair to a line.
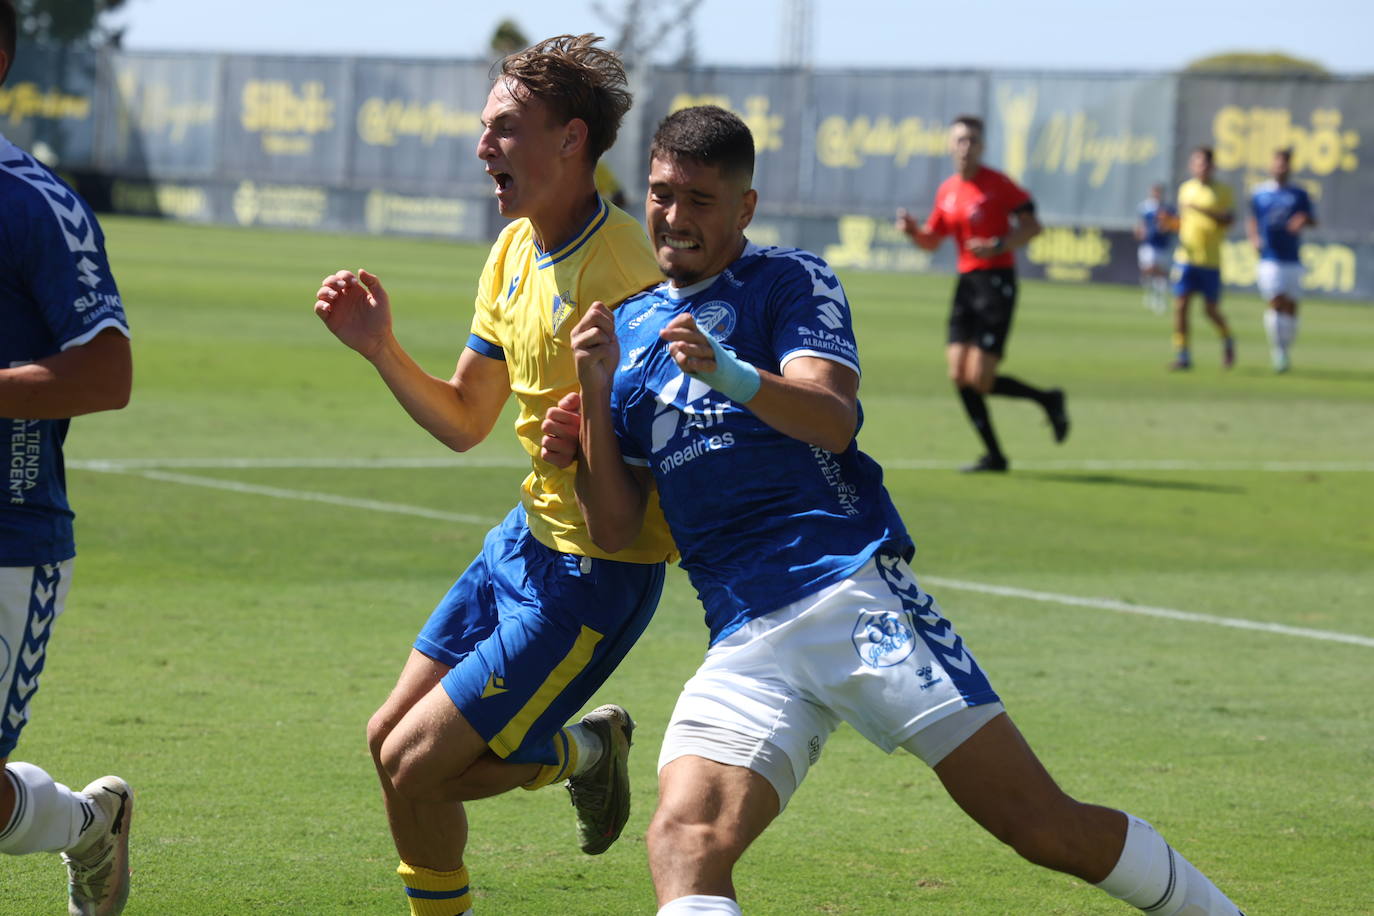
1152,877
48,816
589,749
700,905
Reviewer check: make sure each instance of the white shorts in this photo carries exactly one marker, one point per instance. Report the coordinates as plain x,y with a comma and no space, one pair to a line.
1279,278
31,598
873,650
1148,256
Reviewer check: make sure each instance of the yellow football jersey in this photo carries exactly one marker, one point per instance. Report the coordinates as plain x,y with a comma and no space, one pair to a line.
1199,235
527,304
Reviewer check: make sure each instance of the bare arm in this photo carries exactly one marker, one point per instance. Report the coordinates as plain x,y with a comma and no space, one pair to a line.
815,400
95,376
611,494
1252,231
459,411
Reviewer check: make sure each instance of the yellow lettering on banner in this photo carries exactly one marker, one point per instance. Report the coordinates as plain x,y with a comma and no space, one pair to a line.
1329,267
1070,254
159,199
1067,141
149,108
290,206
873,244
22,101
274,105
765,126
382,122
385,212
844,144
1245,139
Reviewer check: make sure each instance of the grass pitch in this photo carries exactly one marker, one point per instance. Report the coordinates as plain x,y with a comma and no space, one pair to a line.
253,569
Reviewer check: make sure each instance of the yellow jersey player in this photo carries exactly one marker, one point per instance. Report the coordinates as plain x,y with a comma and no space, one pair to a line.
1206,208
542,616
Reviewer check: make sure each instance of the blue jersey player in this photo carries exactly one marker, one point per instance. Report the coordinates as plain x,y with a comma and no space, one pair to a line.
64,351
1154,230
732,390
1279,211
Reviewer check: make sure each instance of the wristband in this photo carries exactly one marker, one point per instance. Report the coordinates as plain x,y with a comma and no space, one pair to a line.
733,377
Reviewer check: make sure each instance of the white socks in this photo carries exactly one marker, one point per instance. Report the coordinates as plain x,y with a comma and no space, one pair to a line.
700,905
1282,330
1153,877
48,816
589,747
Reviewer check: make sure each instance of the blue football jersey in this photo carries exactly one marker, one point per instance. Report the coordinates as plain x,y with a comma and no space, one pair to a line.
56,292
761,519
1273,205
1150,211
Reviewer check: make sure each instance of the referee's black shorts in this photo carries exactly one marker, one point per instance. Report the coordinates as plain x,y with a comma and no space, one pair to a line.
984,301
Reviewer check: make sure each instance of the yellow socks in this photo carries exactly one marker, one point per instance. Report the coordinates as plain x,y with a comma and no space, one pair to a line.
567,752
436,893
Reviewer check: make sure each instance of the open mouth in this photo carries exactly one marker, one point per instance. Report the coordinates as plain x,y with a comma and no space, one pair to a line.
503,180
679,244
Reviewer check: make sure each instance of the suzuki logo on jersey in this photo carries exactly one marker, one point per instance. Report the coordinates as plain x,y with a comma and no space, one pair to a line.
830,315
678,414
87,269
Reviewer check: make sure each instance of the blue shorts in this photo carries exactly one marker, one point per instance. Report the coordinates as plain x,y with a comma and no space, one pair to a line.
1189,279
531,634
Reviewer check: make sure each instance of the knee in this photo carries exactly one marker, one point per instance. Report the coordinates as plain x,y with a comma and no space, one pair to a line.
379,727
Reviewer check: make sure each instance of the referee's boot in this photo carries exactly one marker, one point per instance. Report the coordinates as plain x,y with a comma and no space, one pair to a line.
987,463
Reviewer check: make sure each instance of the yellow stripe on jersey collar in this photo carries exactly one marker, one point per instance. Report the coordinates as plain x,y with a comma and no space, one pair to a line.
553,257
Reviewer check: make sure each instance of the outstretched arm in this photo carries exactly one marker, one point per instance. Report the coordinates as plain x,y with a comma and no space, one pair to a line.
814,400
459,411
922,235
94,376
611,494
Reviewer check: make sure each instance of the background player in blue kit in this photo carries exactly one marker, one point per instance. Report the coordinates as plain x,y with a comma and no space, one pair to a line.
732,390
64,351
1154,230
1279,211
542,616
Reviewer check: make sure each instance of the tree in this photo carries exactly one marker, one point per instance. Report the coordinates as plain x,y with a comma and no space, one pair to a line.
507,39
1268,62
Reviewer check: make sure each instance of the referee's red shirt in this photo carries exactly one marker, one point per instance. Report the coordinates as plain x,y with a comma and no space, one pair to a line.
974,208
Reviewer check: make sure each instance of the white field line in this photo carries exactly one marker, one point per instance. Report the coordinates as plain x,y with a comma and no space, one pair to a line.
373,505
1123,607
898,464
1105,604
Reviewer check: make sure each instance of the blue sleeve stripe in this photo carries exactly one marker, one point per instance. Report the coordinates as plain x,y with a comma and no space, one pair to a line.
820,354
486,347
437,895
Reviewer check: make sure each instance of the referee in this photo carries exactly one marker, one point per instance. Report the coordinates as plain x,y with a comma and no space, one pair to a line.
990,216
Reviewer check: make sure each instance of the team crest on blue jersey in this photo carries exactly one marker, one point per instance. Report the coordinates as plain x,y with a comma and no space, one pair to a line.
563,306
716,318
883,638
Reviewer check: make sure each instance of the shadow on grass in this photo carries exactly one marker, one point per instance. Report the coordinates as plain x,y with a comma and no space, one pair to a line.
1301,372
1142,482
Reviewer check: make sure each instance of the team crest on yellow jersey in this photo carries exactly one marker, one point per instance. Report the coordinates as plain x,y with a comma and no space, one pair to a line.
563,306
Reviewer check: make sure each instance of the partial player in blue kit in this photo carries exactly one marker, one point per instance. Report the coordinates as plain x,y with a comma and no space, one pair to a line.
1156,221
64,352
732,391
1279,212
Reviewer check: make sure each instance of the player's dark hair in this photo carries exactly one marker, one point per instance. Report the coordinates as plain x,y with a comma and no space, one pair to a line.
1206,151
9,31
574,79
1286,152
972,122
707,134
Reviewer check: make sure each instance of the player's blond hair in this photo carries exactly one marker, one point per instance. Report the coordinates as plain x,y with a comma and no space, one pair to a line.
575,79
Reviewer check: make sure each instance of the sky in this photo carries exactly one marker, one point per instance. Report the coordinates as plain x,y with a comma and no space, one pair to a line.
1108,35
